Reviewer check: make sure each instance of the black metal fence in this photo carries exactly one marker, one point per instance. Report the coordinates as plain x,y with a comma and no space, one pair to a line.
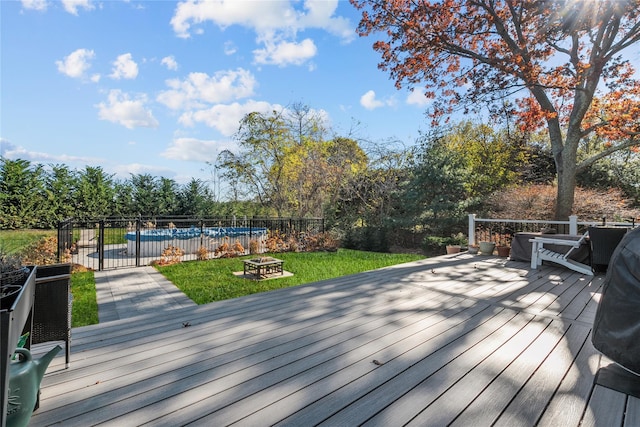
127,242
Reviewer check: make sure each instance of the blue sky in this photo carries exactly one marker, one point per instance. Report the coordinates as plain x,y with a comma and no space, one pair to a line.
158,87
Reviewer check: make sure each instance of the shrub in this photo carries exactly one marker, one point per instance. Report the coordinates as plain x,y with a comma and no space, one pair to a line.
238,248
321,242
254,246
171,255
293,244
374,239
537,202
435,244
276,242
42,252
203,253
226,250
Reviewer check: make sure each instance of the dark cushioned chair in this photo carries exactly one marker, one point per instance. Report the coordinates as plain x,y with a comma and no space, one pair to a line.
604,241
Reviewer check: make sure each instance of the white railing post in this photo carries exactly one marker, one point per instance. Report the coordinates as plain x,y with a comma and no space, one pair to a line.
573,225
472,229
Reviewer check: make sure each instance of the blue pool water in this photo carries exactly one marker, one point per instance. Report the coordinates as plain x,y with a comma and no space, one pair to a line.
192,232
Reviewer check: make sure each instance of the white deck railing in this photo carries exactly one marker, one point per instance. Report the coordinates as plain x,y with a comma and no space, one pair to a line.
572,224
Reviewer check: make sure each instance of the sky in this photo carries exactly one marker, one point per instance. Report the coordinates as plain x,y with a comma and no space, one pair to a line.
159,87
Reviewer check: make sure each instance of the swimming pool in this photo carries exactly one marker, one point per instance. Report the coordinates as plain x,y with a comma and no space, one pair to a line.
153,242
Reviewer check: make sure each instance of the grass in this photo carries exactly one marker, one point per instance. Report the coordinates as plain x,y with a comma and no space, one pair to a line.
113,236
85,305
83,286
213,280
13,241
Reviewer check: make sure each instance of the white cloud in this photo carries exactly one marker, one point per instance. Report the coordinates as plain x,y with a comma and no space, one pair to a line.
369,101
320,15
76,63
130,113
200,88
417,98
276,24
226,118
40,5
11,151
195,150
283,53
125,171
124,67
72,6
5,147
170,63
262,16
230,48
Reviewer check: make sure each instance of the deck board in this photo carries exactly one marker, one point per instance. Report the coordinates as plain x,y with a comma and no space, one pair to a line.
529,404
362,398
569,401
606,408
632,414
461,339
295,369
463,378
491,400
357,366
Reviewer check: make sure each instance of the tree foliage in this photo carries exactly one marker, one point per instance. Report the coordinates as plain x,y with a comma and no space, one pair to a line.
61,185
194,199
371,196
94,193
286,163
620,171
489,159
455,168
22,190
562,59
39,196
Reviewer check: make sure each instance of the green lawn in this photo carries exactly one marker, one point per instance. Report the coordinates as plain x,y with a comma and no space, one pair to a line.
114,236
83,285
85,305
13,241
213,280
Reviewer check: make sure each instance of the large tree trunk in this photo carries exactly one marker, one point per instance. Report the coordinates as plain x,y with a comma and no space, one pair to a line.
566,166
566,192
564,155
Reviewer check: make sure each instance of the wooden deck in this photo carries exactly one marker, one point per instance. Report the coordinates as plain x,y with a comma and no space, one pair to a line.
457,340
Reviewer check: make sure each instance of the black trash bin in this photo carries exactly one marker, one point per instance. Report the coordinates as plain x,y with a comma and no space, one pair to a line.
616,328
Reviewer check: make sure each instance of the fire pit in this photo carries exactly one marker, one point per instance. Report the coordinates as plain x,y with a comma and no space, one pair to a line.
263,267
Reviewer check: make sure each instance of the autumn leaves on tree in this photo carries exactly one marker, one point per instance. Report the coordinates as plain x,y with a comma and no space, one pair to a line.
565,62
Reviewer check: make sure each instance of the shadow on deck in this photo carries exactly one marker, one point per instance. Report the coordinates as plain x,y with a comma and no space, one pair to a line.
457,340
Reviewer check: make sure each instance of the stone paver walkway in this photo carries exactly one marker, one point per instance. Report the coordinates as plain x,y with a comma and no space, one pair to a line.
129,292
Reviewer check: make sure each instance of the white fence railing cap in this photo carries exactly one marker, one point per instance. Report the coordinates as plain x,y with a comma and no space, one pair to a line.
573,224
